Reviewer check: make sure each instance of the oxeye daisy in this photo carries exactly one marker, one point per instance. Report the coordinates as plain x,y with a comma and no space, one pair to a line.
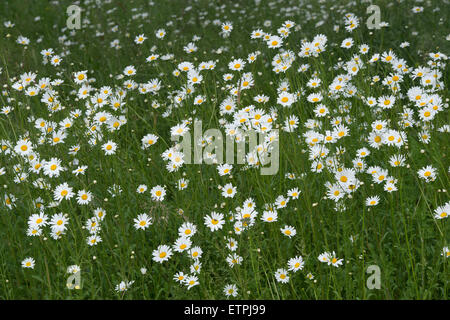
182,184
195,252
334,261
84,197
63,191
281,275
288,231
281,202
427,173
158,193
182,244
53,168
234,259
149,140
162,253
315,97
230,290
28,263
140,39
195,267
123,286
99,213
286,99
442,212
160,33
38,220
214,221
191,281
179,277
187,229
34,231
294,193
93,225
224,169
372,201
228,190
80,77
445,252
109,148
232,244
80,170
227,27
129,71
236,65
269,216
93,240
324,257
55,60
23,147
152,57
257,34
347,43
59,221
143,221
296,264
73,269
274,42
141,188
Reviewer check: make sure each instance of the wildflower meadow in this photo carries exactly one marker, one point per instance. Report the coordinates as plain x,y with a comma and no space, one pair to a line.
206,149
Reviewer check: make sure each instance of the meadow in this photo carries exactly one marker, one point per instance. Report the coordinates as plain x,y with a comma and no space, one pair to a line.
98,199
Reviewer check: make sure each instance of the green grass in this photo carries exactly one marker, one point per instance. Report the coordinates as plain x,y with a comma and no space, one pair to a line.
399,235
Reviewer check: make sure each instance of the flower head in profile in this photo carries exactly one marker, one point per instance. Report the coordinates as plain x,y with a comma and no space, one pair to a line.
123,286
